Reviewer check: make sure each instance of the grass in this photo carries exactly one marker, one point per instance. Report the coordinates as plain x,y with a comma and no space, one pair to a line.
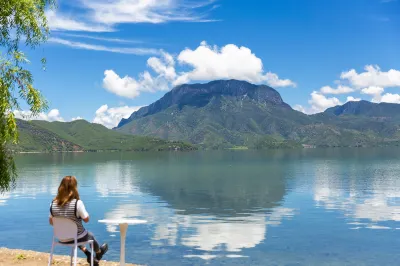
21,257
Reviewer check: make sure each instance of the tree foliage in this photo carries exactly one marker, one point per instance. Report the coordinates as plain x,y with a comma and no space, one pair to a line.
21,22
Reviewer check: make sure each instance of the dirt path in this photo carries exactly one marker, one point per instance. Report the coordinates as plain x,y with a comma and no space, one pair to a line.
13,257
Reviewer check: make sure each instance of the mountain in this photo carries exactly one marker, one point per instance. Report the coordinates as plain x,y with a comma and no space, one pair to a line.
379,111
80,135
200,95
232,113
222,113
382,119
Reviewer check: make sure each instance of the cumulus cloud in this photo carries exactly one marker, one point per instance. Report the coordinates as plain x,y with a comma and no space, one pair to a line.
375,92
300,108
339,90
110,117
130,88
228,62
164,66
352,99
377,97
206,63
390,98
373,81
320,102
125,87
373,76
76,118
53,115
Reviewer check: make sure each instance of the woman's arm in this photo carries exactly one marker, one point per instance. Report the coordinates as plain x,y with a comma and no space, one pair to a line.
50,215
81,211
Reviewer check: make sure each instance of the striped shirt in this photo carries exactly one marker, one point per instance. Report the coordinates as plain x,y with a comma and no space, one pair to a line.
70,211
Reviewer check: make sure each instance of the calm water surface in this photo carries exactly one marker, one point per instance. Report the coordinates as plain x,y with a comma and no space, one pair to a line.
306,207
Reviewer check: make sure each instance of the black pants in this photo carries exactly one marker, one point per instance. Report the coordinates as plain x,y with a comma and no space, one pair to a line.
87,237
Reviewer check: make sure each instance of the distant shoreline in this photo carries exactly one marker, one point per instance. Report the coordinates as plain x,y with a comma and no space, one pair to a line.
24,152
99,151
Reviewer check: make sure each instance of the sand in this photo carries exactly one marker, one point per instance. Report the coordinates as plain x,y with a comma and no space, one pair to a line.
12,257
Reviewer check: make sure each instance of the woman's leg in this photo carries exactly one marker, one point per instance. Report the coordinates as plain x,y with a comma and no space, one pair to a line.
95,243
100,251
87,237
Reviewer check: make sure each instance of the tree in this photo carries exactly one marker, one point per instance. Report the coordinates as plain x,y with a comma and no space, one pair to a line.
21,21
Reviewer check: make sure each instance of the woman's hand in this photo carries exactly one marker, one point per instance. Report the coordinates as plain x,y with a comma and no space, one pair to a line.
86,220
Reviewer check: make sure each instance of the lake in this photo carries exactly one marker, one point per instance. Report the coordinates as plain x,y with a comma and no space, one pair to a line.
284,207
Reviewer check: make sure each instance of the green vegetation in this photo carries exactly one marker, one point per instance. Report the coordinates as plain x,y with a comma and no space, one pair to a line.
20,257
80,135
239,114
211,127
272,142
20,20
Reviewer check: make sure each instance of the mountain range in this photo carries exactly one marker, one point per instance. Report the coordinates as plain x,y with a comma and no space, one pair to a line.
232,113
80,135
218,115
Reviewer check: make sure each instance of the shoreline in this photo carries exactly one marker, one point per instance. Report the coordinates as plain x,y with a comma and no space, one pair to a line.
13,257
97,151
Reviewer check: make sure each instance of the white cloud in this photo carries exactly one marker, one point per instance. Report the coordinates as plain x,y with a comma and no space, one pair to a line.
61,22
53,115
373,81
124,87
129,87
165,66
95,47
273,80
85,36
352,99
228,62
373,76
300,108
104,15
390,98
76,118
373,90
376,92
110,117
339,90
320,102
144,11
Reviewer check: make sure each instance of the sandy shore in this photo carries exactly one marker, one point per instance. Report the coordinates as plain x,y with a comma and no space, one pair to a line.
12,257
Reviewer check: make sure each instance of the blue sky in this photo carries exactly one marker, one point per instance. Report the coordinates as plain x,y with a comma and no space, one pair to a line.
316,53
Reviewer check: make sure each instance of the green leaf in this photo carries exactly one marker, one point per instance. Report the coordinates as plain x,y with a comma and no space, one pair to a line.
28,22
